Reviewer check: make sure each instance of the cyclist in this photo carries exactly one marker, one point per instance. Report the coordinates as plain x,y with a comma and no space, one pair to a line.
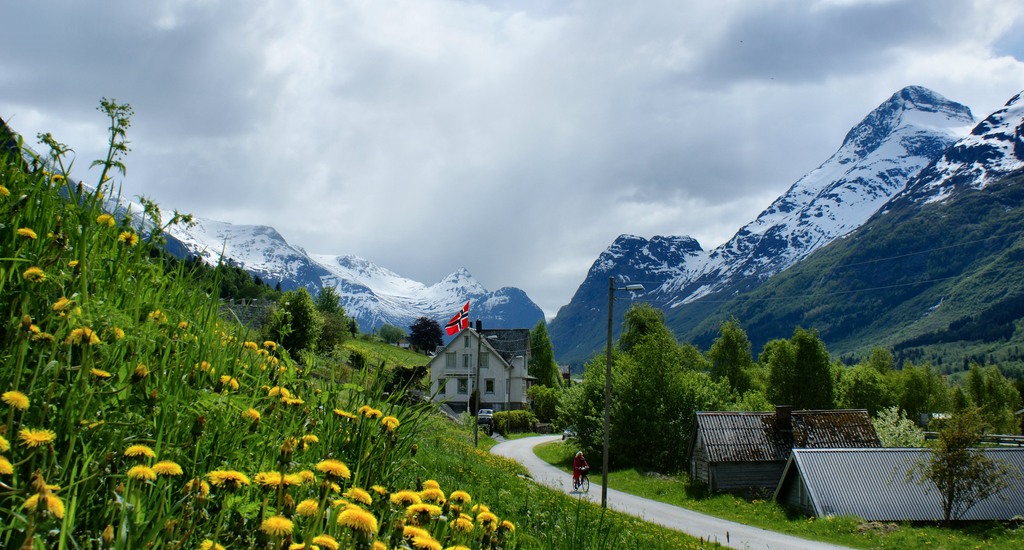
579,468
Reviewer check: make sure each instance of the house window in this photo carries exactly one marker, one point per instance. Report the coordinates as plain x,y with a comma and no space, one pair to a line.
465,343
449,360
465,361
463,386
489,386
441,383
483,360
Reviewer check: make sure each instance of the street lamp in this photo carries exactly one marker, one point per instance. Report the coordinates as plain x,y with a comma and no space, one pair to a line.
476,383
608,386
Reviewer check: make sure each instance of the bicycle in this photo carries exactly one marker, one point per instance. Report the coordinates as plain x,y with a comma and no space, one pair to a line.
582,484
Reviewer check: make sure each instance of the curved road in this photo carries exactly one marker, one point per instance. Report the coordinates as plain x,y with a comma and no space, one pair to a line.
709,528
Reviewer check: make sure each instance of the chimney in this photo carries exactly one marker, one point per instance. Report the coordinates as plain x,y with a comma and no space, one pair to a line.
479,325
784,421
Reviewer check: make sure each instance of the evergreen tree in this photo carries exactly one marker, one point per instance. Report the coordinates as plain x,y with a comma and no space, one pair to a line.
542,358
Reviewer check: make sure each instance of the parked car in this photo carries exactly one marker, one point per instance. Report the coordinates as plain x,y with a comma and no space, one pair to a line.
484,416
568,433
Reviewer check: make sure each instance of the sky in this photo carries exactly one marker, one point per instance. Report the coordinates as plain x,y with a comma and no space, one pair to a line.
516,139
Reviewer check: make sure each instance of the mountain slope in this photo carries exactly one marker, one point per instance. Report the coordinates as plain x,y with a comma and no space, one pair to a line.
939,265
877,158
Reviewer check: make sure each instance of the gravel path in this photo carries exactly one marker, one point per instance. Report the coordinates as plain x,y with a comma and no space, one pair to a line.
727,533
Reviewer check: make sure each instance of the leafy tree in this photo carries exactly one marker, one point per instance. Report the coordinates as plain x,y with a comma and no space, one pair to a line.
425,334
328,301
800,371
881,360
923,391
542,358
962,473
545,402
639,321
730,356
896,430
295,322
391,334
996,396
864,387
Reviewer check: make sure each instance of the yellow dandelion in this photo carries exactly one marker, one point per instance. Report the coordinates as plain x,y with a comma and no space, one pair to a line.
379,489
73,264
105,219
252,415
390,423
229,381
268,479
229,479
432,494
462,524
270,344
183,325
26,232
292,401
100,373
431,484
302,546
167,468
507,525
4,444
405,498
345,414
335,469
277,526
49,502
310,439
139,451
307,476
426,542
359,495
307,507
142,473
36,438
422,511
15,399
378,545
84,336
118,333
250,345
34,275
6,468
4,192
278,391
197,486
141,371
128,237
157,316
327,541
460,497
294,479
487,520
63,304
358,519
203,366
410,531
210,545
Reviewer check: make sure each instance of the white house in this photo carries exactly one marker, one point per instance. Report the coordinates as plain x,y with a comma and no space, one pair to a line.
503,355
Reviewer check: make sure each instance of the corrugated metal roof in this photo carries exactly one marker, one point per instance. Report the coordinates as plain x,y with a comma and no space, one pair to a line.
872,484
760,436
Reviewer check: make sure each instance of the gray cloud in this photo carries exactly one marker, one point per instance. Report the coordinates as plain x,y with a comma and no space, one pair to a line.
516,139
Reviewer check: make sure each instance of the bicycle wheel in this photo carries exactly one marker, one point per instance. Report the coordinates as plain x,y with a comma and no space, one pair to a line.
585,485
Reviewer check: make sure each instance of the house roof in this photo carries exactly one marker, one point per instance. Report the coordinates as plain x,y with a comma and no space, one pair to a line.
873,484
768,437
508,342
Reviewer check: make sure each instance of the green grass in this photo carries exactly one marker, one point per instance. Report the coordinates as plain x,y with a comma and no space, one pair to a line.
377,352
846,531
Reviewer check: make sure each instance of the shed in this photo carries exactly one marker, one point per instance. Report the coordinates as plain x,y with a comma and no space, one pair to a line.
872,484
747,451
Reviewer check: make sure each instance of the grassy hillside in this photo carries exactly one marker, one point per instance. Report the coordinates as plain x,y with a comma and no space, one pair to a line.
134,416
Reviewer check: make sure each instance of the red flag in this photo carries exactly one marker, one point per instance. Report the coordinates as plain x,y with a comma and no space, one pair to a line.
459,322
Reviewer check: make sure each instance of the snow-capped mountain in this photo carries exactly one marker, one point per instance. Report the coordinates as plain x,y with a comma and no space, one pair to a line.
876,160
369,293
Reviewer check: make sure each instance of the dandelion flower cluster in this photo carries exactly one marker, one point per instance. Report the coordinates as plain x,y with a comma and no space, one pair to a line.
84,336
15,399
27,232
229,479
36,438
358,519
139,451
307,507
277,526
105,219
390,423
49,501
167,468
34,275
129,238
335,469
141,473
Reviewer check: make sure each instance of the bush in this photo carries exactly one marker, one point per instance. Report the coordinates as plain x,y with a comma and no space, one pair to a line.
506,422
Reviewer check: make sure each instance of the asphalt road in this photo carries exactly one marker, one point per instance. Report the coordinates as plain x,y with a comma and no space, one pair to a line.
727,533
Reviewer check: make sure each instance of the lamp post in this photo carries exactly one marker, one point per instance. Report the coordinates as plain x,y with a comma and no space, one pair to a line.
476,383
608,387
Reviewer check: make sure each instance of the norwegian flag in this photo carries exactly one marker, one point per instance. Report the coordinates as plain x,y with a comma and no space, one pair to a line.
459,322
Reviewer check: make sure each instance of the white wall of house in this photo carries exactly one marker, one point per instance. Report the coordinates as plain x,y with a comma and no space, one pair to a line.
502,385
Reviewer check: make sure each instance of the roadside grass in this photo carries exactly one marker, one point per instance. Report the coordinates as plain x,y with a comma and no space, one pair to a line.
764,513
378,352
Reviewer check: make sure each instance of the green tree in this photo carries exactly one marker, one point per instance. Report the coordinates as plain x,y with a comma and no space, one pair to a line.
542,358
923,391
425,334
639,321
295,322
731,357
391,334
881,360
962,474
864,387
896,430
800,371
779,357
328,301
997,397
545,402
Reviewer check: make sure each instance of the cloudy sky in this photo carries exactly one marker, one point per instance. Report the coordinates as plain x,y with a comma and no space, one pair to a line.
516,139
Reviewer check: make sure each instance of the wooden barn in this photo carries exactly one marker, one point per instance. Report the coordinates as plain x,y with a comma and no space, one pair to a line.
746,452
